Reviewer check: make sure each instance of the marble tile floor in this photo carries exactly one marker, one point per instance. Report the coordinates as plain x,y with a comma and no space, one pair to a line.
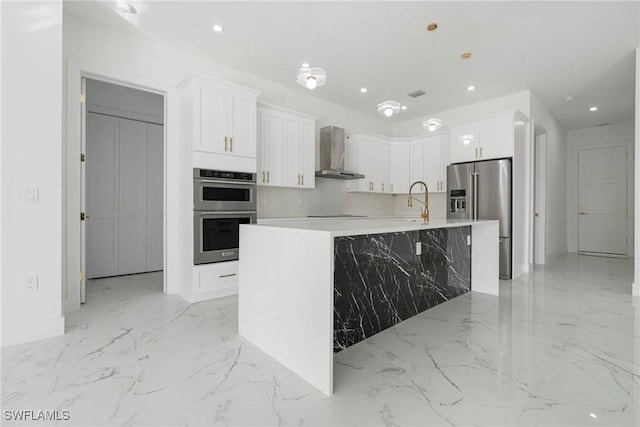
560,346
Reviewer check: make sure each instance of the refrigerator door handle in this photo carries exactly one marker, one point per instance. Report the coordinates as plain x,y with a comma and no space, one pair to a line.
474,192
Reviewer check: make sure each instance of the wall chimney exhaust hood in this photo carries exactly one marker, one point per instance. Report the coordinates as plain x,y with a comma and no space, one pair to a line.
332,149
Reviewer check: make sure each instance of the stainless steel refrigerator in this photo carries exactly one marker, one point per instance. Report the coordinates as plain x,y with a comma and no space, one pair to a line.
482,190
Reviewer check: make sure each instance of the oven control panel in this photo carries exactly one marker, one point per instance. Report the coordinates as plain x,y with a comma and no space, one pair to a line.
227,175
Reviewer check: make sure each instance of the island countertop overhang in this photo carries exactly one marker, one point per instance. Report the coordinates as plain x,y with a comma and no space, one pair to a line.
362,226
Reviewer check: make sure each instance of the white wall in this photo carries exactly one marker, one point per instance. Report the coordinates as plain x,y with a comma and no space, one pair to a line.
556,179
31,157
121,101
603,136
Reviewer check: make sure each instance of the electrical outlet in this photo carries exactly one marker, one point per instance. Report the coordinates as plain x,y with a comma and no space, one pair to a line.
31,284
418,248
31,195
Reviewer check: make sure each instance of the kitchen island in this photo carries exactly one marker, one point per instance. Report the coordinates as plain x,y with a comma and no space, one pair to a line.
310,288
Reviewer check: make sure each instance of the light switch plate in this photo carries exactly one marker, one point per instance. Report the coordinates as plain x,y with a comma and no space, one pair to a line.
31,284
418,248
31,195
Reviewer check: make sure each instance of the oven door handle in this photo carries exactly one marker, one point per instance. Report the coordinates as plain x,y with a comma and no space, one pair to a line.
223,181
225,213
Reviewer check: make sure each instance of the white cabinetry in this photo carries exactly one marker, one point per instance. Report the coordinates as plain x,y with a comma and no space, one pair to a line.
400,162
286,148
214,281
494,138
220,121
429,160
368,154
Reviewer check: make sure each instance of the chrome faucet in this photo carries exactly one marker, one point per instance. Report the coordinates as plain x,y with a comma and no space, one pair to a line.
424,213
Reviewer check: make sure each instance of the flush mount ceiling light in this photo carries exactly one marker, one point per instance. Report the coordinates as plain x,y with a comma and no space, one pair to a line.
218,28
467,139
568,98
363,90
593,109
388,108
126,8
432,124
471,88
404,107
311,77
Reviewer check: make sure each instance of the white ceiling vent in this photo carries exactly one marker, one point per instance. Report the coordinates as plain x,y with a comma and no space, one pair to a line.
416,93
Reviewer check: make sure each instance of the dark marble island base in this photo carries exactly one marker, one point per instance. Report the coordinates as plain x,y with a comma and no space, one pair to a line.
380,280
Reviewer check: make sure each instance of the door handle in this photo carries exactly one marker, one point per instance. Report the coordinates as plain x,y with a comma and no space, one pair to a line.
582,213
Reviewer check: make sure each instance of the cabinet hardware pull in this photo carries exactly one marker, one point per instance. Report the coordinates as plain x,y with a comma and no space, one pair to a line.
481,152
230,143
392,188
383,186
227,275
263,176
225,144
267,177
302,180
298,179
476,152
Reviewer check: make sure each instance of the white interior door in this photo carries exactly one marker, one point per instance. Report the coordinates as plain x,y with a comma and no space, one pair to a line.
132,230
101,200
602,200
155,173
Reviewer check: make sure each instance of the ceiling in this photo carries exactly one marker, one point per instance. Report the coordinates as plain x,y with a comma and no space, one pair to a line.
583,49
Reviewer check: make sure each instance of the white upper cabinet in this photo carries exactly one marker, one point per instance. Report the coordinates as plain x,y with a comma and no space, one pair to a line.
428,161
494,138
368,154
286,148
400,165
219,120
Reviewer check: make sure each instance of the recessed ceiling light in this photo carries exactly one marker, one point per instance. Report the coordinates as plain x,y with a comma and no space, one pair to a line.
432,26
592,415
466,55
593,109
126,7
568,98
305,65
363,90
471,88
218,28
404,107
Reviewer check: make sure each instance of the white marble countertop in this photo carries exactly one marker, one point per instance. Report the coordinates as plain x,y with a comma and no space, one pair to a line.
358,226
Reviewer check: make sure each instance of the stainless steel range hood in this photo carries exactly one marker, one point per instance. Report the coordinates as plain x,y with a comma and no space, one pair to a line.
332,150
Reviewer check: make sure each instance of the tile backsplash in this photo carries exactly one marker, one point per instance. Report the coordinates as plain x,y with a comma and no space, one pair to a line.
330,198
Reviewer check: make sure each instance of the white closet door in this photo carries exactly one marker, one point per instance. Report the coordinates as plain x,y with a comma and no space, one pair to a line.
155,175
133,198
102,196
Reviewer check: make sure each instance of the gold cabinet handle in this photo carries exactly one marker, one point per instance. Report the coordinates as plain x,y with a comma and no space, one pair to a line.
225,144
231,143
480,152
298,179
476,152
267,177
582,212
302,179
263,176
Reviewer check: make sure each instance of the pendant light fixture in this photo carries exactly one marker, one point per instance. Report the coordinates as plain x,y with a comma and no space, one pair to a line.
388,108
432,124
309,77
467,138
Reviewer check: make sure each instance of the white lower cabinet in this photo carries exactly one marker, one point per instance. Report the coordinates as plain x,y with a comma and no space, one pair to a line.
286,148
214,280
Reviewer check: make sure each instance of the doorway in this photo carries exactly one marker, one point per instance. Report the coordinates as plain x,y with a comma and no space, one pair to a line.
602,201
539,195
121,184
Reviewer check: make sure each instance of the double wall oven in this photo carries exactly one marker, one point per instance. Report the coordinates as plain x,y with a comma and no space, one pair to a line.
222,201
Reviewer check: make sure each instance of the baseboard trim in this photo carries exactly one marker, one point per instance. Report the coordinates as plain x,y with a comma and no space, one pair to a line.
20,334
552,257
